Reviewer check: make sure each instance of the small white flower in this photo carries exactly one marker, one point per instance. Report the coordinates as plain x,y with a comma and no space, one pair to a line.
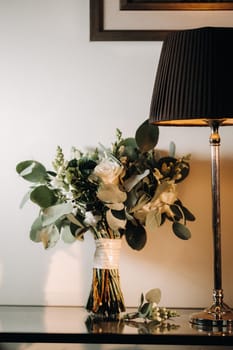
57,182
75,153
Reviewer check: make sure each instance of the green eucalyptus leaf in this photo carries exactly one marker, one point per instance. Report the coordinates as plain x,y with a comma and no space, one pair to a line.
74,220
61,222
145,310
147,136
66,234
119,214
141,202
187,214
110,193
177,210
32,171
25,198
49,236
141,300
172,149
181,230
43,196
132,198
51,214
153,220
134,180
135,235
35,230
114,222
153,295
163,187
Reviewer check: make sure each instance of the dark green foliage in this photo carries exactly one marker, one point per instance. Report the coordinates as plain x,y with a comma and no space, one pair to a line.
43,196
181,231
147,136
135,235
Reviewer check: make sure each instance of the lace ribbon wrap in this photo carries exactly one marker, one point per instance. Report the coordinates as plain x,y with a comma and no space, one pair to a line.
107,253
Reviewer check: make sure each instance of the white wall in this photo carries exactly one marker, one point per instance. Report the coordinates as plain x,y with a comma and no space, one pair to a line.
57,87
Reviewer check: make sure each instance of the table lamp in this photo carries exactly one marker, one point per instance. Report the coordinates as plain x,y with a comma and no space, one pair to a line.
194,87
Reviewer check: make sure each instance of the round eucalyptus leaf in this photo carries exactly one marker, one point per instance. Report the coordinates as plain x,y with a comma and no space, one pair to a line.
66,234
43,196
35,230
32,171
153,220
147,136
25,198
75,219
48,235
188,215
53,213
119,214
115,222
181,230
153,295
130,183
177,210
135,235
110,193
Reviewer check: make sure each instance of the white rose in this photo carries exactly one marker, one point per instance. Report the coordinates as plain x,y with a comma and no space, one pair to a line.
109,171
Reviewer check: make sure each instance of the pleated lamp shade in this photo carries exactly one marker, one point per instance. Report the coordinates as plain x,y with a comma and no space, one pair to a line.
194,81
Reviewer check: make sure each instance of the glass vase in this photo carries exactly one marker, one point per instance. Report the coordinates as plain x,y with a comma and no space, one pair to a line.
106,300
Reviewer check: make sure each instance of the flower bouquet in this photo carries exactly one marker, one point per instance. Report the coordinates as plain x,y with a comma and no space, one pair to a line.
126,190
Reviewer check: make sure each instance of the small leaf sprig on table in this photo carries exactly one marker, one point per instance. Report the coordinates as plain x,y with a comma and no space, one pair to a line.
149,317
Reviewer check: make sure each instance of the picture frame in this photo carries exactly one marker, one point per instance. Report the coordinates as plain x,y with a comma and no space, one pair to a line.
98,31
187,5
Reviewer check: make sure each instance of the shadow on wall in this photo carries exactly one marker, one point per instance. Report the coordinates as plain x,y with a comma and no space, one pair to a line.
68,280
177,266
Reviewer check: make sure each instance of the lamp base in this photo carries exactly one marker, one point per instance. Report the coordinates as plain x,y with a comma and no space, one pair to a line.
217,316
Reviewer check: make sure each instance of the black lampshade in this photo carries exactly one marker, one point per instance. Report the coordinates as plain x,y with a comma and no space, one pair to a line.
194,81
